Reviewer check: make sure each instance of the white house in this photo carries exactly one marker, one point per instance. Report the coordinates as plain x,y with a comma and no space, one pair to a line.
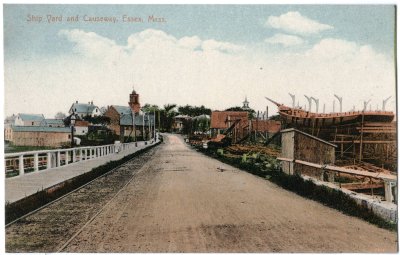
83,110
24,119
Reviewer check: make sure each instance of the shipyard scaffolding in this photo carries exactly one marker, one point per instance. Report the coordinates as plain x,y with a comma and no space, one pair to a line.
365,139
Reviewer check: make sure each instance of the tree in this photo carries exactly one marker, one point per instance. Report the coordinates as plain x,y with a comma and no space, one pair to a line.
166,117
60,115
193,111
101,119
150,108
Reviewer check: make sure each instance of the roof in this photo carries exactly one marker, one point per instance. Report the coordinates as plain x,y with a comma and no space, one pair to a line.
81,123
308,135
203,116
52,122
180,116
122,109
31,117
83,108
126,120
219,120
41,129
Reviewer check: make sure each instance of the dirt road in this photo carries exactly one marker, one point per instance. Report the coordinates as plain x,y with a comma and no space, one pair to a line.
183,202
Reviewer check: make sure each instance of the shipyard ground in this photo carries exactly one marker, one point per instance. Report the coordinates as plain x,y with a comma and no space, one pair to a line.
183,201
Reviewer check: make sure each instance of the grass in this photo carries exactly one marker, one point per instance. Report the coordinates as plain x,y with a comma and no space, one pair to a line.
335,199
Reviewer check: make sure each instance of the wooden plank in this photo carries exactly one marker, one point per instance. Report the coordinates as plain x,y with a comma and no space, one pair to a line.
369,142
358,186
349,171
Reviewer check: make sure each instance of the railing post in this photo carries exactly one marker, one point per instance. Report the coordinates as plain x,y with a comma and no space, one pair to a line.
48,160
21,165
73,155
36,162
66,157
58,158
80,155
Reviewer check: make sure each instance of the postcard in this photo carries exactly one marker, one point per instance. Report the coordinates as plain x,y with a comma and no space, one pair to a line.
200,128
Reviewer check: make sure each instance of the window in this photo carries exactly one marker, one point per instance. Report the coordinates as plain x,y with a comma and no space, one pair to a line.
33,123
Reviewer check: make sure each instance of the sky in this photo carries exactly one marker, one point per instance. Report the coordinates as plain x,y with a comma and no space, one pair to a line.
211,55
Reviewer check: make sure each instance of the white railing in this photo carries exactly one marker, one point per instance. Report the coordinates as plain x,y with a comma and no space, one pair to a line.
20,163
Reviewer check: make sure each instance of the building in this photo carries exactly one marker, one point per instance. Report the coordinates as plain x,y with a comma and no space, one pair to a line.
24,119
234,122
40,136
81,127
298,145
8,123
83,110
52,123
179,122
142,128
114,112
268,127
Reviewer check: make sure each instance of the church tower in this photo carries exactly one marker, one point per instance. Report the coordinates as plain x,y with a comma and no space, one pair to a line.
245,104
134,101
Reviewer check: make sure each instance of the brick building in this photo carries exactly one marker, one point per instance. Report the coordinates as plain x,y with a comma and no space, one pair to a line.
115,112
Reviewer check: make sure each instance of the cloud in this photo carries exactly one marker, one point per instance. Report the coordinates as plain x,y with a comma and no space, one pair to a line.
294,22
221,46
285,40
192,70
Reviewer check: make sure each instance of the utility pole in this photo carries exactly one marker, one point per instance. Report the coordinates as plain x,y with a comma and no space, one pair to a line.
133,125
154,117
340,102
143,133
149,127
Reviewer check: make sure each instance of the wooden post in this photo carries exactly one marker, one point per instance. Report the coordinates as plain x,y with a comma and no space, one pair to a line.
361,136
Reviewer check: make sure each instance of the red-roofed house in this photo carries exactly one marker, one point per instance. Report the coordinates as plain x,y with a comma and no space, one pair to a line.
222,121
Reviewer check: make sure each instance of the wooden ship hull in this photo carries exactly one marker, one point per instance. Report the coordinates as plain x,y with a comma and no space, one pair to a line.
300,117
